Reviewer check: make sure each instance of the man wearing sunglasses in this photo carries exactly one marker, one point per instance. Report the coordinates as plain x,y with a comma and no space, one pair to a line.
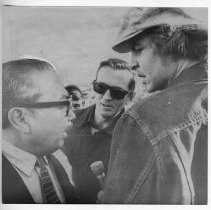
36,114
90,138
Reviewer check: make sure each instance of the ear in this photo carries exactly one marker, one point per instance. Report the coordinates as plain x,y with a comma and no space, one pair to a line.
19,119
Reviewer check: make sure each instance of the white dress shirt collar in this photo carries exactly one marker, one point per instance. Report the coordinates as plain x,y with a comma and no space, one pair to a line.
21,159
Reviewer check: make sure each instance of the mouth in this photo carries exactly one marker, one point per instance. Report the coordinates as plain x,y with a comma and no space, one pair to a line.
67,130
65,135
141,75
106,105
143,80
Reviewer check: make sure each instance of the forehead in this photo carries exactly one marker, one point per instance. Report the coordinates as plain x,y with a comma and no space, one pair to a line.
49,86
118,78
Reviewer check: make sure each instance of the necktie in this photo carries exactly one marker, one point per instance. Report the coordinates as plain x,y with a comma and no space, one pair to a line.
47,184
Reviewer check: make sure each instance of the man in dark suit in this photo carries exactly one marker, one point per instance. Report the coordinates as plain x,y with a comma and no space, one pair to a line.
35,117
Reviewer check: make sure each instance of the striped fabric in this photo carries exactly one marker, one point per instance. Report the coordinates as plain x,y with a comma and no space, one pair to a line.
47,184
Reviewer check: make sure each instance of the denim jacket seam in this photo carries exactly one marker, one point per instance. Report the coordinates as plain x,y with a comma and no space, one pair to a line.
144,127
141,178
193,117
148,132
181,156
156,156
190,121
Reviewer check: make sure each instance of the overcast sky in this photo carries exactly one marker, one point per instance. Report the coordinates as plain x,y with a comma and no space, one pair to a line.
74,39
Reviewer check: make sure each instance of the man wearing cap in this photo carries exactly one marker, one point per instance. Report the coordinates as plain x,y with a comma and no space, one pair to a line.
159,146
76,95
90,138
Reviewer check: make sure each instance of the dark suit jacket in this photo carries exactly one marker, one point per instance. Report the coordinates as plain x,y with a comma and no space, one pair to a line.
15,191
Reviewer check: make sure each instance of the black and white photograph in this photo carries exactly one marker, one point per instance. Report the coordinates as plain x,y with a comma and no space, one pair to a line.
104,104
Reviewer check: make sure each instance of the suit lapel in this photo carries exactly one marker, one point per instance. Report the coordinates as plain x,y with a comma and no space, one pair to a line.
67,188
13,188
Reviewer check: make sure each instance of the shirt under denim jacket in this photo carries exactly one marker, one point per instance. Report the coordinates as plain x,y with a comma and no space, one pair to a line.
159,146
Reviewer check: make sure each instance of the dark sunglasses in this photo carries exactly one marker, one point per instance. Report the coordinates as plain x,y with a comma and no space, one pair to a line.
41,105
116,93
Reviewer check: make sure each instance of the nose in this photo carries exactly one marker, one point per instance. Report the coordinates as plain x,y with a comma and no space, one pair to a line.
134,62
135,66
107,95
71,115
133,57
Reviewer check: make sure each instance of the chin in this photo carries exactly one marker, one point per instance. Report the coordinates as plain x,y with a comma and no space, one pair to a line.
108,115
60,143
150,89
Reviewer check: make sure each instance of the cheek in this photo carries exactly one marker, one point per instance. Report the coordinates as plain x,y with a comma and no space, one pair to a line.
119,104
98,98
147,62
145,66
54,119
151,70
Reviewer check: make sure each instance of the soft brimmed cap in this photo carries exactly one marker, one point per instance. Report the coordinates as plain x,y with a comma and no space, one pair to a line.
139,19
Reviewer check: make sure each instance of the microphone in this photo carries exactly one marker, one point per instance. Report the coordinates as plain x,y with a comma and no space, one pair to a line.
97,169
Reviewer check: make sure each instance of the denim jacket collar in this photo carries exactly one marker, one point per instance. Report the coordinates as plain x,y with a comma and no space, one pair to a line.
194,73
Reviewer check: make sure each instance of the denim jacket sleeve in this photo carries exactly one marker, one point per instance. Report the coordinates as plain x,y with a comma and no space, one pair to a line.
126,148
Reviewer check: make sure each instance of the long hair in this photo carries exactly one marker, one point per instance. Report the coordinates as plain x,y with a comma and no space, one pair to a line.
186,41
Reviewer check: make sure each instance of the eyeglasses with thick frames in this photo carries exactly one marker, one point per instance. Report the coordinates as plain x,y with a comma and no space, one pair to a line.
116,93
43,105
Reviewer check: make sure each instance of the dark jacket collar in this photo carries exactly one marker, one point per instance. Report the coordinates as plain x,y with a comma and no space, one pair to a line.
111,127
86,116
194,73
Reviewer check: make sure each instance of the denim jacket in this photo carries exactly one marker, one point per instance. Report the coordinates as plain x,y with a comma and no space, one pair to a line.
159,146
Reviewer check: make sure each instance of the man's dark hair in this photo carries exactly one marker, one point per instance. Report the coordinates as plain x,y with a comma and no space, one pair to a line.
71,88
17,86
187,41
118,64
